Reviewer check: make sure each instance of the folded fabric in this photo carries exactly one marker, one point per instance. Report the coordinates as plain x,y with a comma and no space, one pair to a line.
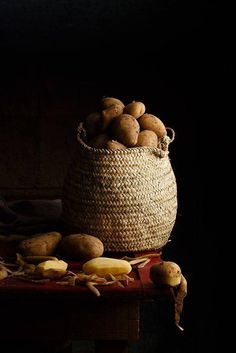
28,217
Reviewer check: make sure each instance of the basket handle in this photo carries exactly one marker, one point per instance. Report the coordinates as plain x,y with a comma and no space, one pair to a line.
172,137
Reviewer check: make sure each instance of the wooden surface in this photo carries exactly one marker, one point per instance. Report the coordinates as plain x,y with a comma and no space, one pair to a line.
51,312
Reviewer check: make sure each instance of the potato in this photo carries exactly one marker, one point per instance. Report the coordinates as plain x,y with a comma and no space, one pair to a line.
81,246
40,244
166,273
99,141
92,124
136,109
114,145
52,269
108,101
125,129
109,114
151,122
147,138
102,266
3,272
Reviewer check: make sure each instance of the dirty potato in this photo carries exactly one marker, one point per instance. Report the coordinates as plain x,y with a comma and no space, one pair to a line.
108,115
151,122
125,129
99,141
136,109
147,138
114,145
81,246
108,101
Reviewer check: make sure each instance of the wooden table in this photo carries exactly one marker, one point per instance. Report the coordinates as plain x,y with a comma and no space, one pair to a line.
53,313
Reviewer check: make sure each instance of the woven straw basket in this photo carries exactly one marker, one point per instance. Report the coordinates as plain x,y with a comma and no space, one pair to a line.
127,198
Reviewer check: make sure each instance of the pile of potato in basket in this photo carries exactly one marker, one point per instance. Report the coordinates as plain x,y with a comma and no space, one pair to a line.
117,126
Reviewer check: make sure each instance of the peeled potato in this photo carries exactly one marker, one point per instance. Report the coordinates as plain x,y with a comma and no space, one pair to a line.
136,109
151,122
52,269
166,273
102,266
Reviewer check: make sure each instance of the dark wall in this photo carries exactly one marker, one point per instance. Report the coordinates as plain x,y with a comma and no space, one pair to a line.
60,57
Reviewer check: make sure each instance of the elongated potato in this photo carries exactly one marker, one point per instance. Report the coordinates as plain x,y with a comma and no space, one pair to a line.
125,129
40,244
136,109
81,246
151,122
52,269
109,114
114,145
92,124
99,141
147,138
108,101
102,266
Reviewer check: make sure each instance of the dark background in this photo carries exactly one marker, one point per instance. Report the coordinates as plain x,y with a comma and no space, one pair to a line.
60,57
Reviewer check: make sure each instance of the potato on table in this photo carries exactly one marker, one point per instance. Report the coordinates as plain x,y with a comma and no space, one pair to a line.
81,246
40,244
103,266
52,269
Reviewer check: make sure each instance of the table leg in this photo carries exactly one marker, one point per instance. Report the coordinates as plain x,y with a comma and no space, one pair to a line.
111,346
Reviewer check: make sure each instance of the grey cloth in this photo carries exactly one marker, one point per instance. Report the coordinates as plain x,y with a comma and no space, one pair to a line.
28,217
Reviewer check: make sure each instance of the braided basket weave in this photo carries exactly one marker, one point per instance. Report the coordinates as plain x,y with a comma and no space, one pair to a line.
127,198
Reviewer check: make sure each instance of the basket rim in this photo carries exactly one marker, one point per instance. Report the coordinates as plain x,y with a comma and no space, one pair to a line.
130,150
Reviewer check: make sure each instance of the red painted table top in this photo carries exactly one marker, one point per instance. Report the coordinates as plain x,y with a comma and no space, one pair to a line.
140,288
